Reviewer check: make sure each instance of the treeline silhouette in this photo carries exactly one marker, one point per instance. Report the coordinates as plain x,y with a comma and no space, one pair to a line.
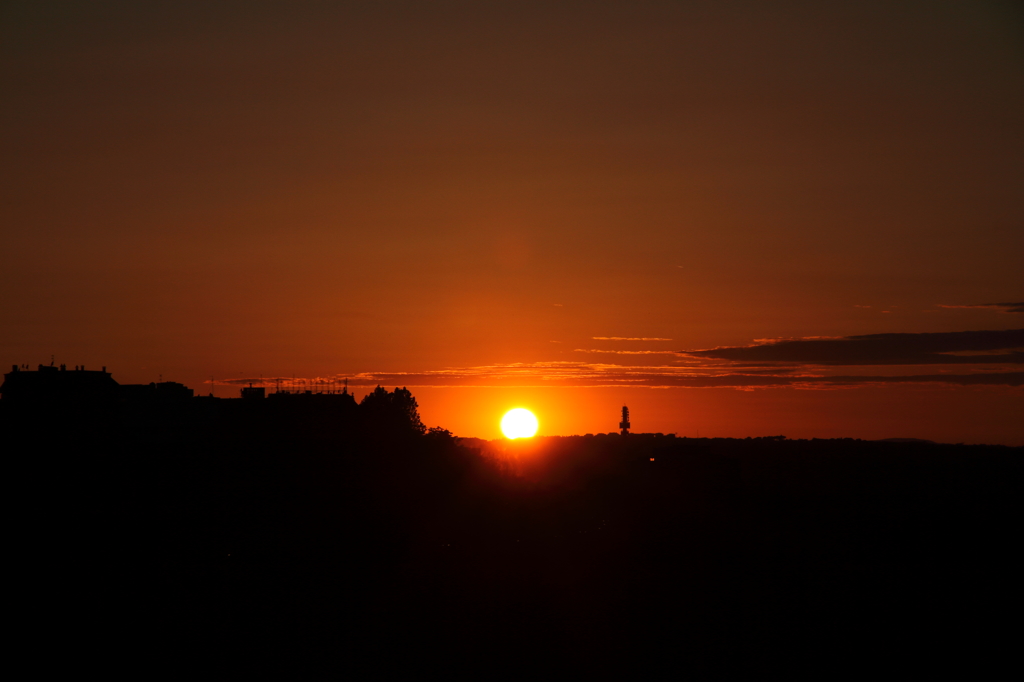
325,533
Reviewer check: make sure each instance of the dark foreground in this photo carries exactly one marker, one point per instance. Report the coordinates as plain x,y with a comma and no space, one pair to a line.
299,544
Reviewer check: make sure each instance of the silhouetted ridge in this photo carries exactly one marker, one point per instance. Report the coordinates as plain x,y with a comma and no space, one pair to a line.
55,393
347,535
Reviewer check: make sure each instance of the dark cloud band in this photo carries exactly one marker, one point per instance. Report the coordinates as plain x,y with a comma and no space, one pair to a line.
942,348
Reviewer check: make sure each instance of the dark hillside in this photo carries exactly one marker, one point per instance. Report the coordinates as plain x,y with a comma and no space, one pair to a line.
265,532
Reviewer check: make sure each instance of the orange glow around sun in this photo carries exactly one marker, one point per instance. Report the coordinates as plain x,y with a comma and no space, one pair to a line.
519,423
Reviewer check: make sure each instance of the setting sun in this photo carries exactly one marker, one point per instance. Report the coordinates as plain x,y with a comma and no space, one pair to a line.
518,423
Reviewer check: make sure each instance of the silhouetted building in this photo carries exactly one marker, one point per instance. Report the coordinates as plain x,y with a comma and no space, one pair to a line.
164,391
251,392
624,424
51,384
310,400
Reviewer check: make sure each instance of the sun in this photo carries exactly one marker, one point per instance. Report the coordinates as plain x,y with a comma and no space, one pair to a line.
518,423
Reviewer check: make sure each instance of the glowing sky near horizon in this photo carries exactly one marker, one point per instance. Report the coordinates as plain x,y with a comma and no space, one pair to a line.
570,205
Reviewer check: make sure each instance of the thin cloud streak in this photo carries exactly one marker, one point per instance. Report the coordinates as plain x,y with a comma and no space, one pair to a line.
980,358
625,352
627,338
999,307
592,375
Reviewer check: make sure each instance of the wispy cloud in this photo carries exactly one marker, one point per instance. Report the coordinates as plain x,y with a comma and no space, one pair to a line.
997,307
626,352
981,358
627,338
594,375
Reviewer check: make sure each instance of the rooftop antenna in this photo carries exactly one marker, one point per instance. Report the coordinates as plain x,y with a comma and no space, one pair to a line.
624,424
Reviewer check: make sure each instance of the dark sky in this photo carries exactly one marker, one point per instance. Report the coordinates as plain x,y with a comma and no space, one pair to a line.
497,196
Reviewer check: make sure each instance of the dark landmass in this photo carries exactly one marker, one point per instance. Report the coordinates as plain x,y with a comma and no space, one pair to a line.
312,533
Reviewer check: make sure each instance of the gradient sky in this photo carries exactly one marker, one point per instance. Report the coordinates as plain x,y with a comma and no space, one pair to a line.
565,206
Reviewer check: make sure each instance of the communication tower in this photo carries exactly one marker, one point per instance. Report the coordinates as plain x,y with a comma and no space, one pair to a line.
624,424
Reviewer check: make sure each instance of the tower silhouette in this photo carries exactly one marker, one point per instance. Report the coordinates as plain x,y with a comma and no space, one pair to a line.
624,424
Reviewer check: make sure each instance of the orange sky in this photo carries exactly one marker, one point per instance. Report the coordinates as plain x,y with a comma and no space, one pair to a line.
476,199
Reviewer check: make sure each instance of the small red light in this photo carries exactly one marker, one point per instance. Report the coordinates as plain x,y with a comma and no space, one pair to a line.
652,459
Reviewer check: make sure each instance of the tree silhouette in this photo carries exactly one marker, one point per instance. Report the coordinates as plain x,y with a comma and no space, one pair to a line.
396,411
